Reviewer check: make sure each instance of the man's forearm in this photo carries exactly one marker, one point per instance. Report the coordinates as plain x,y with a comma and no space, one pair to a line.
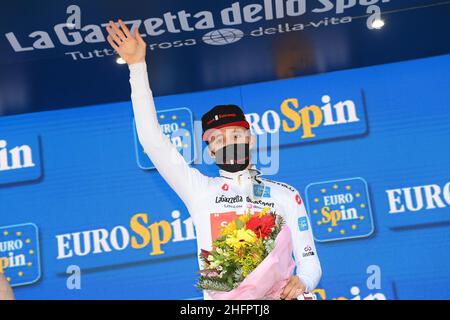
164,155
309,275
144,108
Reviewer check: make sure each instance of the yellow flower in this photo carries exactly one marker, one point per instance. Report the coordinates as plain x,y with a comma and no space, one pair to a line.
245,217
229,229
241,237
263,212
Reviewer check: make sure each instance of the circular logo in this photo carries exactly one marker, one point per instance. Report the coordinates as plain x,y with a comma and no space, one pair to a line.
223,37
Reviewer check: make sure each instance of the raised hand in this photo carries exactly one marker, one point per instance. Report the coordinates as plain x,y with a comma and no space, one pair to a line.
131,48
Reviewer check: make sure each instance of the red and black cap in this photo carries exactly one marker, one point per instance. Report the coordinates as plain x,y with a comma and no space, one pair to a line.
223,116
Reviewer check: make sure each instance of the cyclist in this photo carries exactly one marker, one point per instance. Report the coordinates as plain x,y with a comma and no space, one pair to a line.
239,187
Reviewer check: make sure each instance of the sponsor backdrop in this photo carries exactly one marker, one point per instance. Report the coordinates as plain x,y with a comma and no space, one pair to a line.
218,39
83,213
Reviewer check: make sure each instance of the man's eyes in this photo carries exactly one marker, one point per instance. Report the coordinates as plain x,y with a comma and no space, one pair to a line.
220,138
238,135
216,139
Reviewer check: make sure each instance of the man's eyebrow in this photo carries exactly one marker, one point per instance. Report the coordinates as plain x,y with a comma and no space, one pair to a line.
216,135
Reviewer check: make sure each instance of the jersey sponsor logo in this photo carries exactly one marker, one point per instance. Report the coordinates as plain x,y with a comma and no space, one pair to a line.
261,191
177,125
235,199
222,219
260,202
298,199
308,251
219,220
225,187
339,209
19,254
19,158
303,223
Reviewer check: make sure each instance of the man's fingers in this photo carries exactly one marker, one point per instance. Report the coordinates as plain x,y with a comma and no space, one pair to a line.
125,29
287,289
118,32
291,293
138,36
299,288
113,36
112,43
294,293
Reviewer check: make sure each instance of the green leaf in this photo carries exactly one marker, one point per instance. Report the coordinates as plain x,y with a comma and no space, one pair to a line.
239,223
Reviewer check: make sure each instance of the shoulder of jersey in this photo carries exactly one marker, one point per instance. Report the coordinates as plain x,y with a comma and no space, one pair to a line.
281,186
284,190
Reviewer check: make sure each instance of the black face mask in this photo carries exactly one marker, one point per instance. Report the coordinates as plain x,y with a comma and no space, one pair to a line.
233,157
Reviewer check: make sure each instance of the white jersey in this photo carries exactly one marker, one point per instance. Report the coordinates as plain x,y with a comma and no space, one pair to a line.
213,201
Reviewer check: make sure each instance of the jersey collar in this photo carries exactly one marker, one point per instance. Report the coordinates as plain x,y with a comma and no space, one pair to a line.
247,175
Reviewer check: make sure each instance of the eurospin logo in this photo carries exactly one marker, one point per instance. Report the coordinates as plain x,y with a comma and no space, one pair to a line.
19,158
300,123
339,209
291,123
141,233
183,21
369,286
178,126
19,254
413,204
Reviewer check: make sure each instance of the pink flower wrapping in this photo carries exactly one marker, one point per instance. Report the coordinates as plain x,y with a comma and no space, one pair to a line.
267,281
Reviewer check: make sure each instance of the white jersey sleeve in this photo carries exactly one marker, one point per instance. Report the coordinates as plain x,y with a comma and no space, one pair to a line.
307,261
184,180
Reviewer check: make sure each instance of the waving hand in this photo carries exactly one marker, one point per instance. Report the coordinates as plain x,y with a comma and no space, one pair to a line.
131,48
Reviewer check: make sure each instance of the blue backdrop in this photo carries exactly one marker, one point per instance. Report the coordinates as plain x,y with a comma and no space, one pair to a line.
74,190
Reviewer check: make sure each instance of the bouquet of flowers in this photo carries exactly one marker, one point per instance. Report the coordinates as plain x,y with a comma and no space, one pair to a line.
250,259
